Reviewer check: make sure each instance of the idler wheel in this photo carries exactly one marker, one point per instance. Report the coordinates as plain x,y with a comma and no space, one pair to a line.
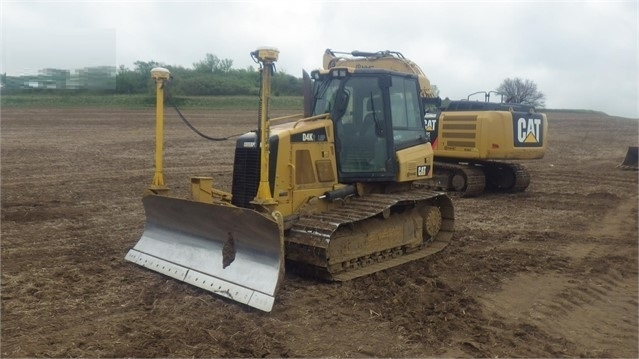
432,217
459,181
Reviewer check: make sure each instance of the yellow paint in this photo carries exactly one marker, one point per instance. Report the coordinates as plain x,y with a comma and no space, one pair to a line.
160,75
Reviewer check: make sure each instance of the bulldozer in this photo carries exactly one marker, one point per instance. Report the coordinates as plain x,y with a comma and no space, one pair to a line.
474,142
332,193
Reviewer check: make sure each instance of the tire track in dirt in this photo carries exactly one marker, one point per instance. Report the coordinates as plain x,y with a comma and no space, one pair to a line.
599,297
590,180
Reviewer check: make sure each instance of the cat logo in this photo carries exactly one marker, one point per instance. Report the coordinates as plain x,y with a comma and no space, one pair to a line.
529,130
431,124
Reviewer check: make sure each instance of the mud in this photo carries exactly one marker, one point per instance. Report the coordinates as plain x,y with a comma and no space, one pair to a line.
549,272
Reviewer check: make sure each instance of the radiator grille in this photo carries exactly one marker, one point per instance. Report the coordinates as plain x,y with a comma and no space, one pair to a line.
459,130
246,176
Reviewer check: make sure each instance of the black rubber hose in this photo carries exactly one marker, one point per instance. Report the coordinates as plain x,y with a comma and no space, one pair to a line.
168,100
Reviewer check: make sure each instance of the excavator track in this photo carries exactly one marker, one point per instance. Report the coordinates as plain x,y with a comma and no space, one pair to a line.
371,233
467,180
473,179
506,177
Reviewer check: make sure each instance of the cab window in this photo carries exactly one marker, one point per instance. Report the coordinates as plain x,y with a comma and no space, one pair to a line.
408,126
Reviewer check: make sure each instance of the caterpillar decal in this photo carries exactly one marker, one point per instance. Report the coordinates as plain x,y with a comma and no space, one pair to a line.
528,130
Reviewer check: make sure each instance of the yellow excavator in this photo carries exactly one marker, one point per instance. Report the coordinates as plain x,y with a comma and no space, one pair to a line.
473,142
332,193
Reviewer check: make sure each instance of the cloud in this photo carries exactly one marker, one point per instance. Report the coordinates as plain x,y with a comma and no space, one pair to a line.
581,54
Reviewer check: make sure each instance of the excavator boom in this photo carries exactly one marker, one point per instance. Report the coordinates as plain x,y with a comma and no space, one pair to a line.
390,60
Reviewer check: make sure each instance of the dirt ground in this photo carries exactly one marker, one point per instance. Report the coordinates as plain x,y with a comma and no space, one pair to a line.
550,272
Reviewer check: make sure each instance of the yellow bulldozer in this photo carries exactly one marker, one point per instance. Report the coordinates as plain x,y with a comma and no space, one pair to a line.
473,142
331,193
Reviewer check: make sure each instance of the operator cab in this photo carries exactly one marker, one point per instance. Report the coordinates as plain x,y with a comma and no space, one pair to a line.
375,113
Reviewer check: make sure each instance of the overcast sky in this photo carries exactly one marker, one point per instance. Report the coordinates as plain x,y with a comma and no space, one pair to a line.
581,54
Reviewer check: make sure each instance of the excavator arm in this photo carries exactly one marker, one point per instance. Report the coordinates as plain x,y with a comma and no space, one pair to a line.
389,60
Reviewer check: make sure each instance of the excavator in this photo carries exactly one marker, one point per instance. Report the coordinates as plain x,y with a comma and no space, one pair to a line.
473,142
332,193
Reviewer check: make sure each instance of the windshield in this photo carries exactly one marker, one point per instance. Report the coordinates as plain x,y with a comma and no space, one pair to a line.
324,92
359,122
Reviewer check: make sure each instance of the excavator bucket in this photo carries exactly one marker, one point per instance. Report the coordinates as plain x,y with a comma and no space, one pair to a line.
631,160
234,252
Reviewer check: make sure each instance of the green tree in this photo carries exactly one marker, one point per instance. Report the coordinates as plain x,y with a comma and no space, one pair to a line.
226,65
143,67
211,76
127,81
284,84
521,91
435,90
137,80
212,63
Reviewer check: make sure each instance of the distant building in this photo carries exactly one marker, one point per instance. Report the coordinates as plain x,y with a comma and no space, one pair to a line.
88,78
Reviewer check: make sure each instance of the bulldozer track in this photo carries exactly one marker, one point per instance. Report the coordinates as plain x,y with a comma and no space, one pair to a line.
309,241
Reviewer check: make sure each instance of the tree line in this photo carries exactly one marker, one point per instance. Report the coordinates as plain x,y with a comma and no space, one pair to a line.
210,76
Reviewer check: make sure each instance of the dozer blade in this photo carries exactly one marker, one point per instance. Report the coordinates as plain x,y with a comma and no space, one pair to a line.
632,159
234,252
